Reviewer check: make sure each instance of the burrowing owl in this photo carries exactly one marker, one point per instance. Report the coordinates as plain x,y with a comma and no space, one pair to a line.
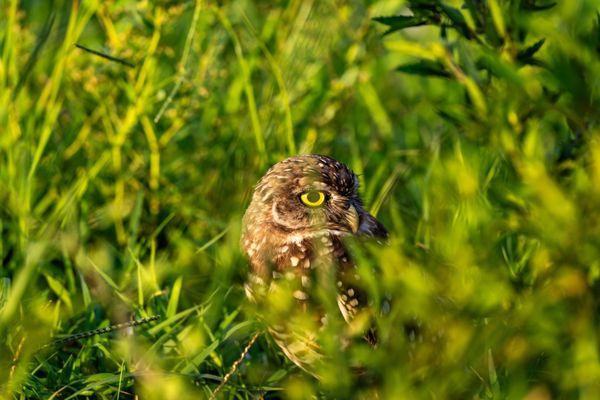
294,229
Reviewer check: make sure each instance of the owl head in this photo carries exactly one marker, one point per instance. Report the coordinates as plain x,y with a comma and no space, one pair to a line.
309,194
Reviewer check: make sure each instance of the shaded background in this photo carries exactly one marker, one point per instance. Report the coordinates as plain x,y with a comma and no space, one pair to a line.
122,186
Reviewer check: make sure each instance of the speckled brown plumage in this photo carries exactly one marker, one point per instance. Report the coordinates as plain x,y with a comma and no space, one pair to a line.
293,244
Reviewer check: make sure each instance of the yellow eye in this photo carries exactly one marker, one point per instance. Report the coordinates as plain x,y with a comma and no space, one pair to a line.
313,198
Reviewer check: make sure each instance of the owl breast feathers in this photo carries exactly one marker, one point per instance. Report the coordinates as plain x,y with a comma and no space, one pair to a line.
293,234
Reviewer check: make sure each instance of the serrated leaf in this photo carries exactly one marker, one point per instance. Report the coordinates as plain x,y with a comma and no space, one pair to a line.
424,68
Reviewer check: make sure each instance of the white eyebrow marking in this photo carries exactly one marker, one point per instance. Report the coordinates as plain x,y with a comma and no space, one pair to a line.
266,196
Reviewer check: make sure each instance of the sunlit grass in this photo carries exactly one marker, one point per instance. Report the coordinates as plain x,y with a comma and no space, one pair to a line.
122,190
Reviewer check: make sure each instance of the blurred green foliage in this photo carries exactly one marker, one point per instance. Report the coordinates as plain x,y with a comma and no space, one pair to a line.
122,189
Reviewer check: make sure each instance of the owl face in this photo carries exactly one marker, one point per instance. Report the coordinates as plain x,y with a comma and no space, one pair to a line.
312,193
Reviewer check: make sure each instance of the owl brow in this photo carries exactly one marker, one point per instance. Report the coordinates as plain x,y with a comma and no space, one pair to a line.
316,186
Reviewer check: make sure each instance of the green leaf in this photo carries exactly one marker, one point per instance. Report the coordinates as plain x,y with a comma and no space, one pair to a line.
103,376
170,321
105,276
236,328
458,19
526,54
110,282
85,291
4,291
532,6
35,54
174,299
424,5
500,68
476,15
59,290
424,68
197,360
277,376
497,393
497,18
596,32
399,22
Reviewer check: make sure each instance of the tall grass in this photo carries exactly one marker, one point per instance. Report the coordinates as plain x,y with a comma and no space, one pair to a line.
122,186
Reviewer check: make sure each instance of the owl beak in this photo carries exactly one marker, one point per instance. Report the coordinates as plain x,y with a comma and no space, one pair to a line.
369,226
353,219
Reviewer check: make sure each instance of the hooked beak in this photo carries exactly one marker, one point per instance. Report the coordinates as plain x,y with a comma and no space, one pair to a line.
363,223
353,219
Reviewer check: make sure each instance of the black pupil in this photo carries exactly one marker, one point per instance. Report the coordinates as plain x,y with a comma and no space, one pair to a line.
313,197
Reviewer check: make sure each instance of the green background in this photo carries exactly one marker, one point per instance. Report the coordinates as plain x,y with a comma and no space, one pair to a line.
122,186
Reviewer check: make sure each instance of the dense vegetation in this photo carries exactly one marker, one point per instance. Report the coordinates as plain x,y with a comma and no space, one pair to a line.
473,124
